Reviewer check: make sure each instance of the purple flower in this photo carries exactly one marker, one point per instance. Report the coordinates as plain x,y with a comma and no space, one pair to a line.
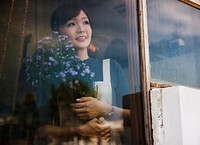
70,84
47,38
63,75
30,59
78,67
68,64
87,70
83,64
54,32
68,45
39,47
53,60
71,57
73,73
76,82
51,50
63,79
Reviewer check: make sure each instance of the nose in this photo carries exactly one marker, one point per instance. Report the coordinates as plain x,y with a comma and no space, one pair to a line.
80,29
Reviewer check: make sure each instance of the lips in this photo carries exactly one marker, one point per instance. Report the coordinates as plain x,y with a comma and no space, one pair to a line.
81,38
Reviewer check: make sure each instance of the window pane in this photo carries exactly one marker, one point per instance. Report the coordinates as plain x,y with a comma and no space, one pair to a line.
174,40
25,106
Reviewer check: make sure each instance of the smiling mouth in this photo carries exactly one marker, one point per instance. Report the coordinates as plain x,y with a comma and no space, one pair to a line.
81,38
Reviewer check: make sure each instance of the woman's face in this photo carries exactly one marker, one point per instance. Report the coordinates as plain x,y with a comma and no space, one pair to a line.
78,30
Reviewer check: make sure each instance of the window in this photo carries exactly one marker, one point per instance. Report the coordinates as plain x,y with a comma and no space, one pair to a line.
174,42
24,23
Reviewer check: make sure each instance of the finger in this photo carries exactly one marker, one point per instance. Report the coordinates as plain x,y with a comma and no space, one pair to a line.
106,136
79,105
106,132
81,111
105,139
84,99
101,120
94,120
84,116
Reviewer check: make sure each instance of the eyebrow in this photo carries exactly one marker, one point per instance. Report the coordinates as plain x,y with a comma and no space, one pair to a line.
81,18
84,18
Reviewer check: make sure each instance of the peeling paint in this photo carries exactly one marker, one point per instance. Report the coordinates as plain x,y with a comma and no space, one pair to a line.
157,116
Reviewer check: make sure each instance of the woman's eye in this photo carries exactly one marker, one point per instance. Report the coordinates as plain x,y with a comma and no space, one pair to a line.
86,22
70,24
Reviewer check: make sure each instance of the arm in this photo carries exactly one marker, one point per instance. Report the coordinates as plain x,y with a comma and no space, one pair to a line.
89,107
95,127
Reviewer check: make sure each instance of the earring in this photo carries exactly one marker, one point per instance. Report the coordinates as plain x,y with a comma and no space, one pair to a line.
92,47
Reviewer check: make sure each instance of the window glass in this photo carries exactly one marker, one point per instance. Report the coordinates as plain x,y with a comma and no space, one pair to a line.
174,40
30,60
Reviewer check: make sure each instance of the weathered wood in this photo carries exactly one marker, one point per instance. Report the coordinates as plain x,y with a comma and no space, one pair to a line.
193,3
145,68
134,102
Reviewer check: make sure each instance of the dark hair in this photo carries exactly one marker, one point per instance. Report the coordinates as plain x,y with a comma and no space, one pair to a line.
65,13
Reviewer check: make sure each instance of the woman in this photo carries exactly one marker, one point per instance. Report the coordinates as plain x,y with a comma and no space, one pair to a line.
73,20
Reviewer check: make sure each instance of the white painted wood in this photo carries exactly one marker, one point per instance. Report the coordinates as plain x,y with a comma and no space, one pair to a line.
176,116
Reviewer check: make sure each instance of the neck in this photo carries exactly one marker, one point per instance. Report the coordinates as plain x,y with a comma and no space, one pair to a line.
82,54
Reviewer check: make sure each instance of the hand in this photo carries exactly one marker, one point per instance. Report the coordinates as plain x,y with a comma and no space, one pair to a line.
88,108
96,127
47,134
50,134
105,136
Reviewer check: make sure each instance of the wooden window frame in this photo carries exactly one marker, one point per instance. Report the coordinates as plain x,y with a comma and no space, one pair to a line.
143,97
193,3
140,101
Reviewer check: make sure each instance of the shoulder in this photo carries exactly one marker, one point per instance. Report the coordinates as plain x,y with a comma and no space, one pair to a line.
93,61
115,65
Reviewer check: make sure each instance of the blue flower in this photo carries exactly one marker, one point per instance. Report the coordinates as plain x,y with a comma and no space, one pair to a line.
70,84
63,75
55,61
54,32
92,74
38,57
39,47
47,38
76,82
87,70
78,66
73,72
68,64
82,74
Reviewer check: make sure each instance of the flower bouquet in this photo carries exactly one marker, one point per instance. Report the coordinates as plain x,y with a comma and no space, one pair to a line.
55,66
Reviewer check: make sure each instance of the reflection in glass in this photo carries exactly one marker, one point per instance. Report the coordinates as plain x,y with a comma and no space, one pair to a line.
174,42
21,113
